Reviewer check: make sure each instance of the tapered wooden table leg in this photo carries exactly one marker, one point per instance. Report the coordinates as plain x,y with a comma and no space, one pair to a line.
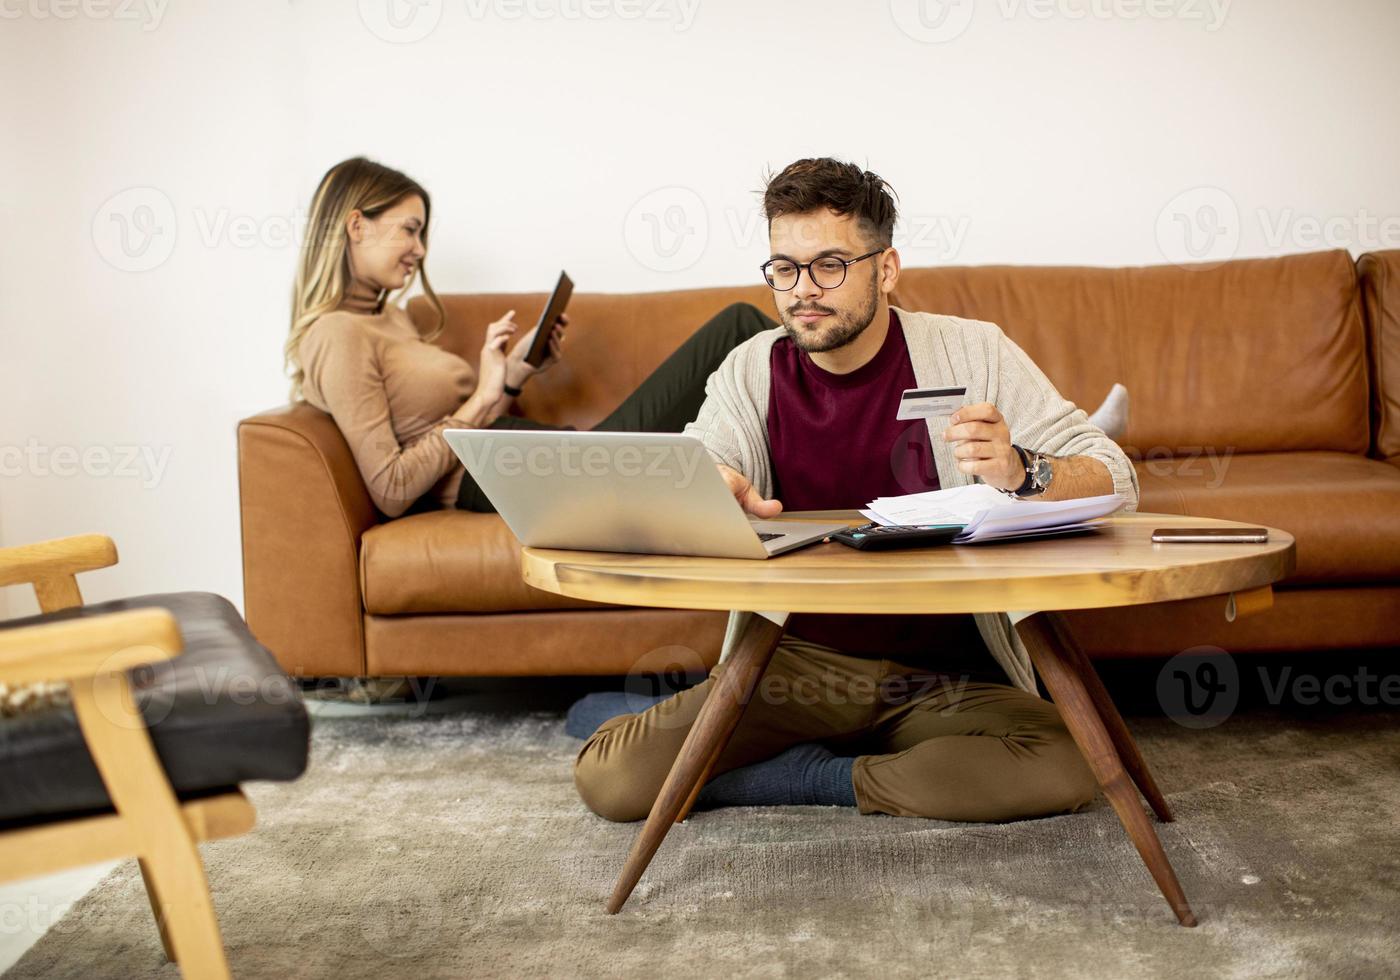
699,784
1117,729
1077,706
716,721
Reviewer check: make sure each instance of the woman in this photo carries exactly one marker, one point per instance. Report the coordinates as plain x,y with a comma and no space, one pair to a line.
357,356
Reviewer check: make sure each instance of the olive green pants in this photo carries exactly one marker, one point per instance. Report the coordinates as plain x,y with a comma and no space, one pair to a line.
927,745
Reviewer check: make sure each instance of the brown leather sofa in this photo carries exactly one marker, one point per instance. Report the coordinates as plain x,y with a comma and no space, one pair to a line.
1262,390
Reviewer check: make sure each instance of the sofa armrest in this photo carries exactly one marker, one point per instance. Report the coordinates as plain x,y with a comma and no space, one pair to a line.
303,507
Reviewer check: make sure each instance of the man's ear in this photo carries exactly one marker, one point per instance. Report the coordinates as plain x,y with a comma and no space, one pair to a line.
889,270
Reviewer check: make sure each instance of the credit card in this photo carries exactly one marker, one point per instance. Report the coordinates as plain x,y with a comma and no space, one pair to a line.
927,403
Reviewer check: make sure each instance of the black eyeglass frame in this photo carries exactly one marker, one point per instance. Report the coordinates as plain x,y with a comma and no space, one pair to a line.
845,270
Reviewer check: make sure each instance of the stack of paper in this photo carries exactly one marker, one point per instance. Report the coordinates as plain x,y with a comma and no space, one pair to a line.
989,515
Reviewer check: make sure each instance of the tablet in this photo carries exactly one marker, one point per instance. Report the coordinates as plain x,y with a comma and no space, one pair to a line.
558,299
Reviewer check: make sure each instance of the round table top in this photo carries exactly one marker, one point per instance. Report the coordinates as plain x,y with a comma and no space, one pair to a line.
1117,566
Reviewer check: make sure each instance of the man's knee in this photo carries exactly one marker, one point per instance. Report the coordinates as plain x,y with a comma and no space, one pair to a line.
1039,773
613,783
1063,781
609,800
1074,784
622,766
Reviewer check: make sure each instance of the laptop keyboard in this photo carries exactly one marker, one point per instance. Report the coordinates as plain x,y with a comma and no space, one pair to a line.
767,535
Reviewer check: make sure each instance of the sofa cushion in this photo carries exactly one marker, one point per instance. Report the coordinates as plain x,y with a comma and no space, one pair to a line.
1182,340
1340,507
448,561
220,713
612,640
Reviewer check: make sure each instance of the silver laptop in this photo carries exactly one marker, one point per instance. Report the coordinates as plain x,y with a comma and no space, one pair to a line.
637,492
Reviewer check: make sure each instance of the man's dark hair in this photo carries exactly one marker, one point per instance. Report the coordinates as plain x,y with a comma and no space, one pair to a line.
822,182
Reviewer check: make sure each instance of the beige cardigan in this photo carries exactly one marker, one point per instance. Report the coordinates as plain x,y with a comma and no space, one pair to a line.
944,350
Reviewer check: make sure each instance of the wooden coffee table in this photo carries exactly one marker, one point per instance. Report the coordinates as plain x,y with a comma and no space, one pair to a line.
1117,566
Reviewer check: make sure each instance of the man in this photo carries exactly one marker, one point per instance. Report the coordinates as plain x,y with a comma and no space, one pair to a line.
906,715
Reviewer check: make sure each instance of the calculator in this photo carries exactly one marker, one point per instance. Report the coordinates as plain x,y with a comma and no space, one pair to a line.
878,537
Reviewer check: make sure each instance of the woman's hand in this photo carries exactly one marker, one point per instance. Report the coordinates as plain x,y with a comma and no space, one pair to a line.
518,370
491,379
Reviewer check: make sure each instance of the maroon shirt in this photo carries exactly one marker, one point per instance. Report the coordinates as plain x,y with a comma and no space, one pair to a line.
836,444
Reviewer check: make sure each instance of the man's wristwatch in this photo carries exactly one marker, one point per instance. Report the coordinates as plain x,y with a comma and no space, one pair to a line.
1039,473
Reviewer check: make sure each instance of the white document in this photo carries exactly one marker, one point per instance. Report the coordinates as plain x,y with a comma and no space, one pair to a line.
958,505
987,514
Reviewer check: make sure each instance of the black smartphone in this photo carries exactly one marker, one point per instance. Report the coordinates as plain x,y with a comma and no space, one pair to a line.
558,299
1235,535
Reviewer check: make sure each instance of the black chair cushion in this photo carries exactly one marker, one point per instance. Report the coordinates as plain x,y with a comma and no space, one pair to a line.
220,713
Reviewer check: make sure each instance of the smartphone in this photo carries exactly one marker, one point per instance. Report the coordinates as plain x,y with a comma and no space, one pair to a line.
558,299
1233,535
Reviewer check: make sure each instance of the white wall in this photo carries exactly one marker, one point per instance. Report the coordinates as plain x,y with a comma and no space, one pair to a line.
624,139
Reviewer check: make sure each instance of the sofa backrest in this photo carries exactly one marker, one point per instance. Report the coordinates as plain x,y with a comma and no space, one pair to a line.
1251,355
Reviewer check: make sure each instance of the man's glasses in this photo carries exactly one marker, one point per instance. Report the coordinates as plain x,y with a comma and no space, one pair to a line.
827,272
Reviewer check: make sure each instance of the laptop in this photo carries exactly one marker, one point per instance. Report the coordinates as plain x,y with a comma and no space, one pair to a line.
636,492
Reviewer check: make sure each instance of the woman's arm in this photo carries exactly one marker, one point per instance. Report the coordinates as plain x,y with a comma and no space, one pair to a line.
518,370
341,362
476,412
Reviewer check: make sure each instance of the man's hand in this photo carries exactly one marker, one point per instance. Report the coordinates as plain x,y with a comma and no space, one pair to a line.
982,446
747,496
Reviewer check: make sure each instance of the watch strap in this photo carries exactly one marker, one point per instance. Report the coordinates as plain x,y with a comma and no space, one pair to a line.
1029,464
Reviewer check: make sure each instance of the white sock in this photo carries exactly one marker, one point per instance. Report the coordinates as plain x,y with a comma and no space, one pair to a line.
1112,415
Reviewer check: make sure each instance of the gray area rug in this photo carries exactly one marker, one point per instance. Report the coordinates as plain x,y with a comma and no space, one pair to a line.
453,845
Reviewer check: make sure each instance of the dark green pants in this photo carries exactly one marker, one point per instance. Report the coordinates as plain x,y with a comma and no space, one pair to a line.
667,400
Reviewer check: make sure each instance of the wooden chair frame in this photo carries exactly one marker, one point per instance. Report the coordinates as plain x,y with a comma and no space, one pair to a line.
148,821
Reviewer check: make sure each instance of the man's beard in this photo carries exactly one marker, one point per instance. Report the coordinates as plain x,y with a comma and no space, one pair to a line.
848,326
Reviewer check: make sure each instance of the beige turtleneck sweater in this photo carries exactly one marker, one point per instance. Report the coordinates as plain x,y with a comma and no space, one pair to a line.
391,393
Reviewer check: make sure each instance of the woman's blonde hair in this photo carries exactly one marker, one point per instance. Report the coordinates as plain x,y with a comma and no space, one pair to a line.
323,276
